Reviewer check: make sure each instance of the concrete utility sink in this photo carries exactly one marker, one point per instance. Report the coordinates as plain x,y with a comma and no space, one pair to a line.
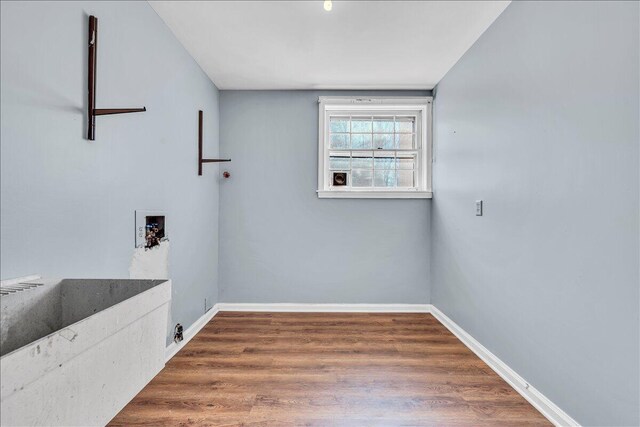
33,313
76,351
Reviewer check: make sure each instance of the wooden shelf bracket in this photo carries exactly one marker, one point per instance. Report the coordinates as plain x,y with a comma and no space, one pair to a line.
92,111
200,159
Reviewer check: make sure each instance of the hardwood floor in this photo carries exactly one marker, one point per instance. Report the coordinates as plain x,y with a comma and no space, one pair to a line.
327,369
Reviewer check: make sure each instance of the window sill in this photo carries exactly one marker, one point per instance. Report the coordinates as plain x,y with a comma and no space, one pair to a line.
326,194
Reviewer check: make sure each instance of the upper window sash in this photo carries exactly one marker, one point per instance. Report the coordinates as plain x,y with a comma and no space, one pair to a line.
372,130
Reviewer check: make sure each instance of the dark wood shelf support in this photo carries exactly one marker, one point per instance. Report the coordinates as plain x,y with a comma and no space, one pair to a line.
200,159
109,111
92,111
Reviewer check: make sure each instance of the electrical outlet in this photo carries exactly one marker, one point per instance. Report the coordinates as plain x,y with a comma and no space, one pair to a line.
478,207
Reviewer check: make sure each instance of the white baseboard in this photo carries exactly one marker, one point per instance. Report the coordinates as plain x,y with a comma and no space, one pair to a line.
546,407
326,308
191,332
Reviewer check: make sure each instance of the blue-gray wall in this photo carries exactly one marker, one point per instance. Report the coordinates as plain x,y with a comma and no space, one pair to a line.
540,120
279,242
67,203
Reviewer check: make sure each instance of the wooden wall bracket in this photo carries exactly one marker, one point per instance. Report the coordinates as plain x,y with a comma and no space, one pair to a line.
200,159
92,111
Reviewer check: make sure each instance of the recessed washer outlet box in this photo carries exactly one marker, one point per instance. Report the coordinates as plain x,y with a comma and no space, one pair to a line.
151,227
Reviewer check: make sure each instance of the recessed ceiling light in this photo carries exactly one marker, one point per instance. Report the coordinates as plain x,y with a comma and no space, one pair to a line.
328,5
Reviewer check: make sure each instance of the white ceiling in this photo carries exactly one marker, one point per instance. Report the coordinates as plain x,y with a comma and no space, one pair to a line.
298,45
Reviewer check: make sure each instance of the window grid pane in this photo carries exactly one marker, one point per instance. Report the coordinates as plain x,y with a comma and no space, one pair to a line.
377,132
393,161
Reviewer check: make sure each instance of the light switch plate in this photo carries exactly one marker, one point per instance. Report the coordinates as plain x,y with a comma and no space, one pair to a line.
478,207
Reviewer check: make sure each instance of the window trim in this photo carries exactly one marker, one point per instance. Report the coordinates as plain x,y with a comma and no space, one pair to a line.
423,104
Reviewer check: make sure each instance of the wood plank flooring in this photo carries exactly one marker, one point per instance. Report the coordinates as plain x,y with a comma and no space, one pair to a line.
327,369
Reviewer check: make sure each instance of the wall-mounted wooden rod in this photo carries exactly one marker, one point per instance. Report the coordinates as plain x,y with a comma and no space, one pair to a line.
108,111
92,111
200,159
215,160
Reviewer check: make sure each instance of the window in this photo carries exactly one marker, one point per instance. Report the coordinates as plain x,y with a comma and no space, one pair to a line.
374,147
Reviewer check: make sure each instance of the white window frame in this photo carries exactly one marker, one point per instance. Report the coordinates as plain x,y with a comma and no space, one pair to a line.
422,105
